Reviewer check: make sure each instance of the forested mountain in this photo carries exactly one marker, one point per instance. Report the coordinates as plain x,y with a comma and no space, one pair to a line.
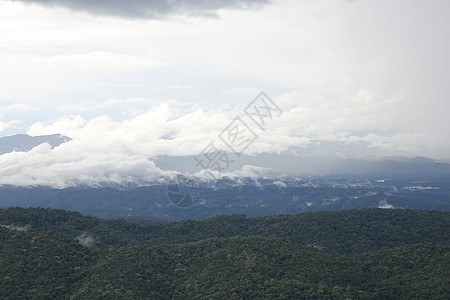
356,254
348,231
268,268
42,265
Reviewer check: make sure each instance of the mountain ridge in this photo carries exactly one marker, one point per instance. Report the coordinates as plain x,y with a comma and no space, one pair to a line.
25,142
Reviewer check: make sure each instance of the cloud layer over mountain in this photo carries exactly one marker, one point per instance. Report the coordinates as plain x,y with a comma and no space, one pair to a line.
104,151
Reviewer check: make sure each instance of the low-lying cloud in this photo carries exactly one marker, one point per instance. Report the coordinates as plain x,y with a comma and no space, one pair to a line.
16,227
107,152
103,151
86,240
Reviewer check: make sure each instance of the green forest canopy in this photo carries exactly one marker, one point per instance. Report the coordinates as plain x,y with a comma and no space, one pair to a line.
369,253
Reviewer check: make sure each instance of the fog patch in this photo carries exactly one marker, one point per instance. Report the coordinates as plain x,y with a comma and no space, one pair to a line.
17,228
384,204
86,240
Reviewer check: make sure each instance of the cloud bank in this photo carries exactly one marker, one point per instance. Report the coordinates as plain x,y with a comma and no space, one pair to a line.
108,152
152,9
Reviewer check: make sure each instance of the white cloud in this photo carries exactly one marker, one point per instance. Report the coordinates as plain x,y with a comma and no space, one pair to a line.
9,124
68,165
280,184
103,151
17,228
86,240
384,204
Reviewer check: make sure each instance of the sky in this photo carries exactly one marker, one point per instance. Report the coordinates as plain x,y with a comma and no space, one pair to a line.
129,80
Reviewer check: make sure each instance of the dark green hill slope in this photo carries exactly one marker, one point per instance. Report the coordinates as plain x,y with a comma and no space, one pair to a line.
41,265
266,268
349,231
366,254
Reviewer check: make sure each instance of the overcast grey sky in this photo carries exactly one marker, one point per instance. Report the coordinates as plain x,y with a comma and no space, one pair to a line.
148,9
127,73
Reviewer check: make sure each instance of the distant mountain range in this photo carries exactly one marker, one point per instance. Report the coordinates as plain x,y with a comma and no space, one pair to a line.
264,184
250,196
320,165
24,142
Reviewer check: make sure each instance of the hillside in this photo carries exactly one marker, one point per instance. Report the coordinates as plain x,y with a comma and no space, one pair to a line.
255,268
356,254
348,231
